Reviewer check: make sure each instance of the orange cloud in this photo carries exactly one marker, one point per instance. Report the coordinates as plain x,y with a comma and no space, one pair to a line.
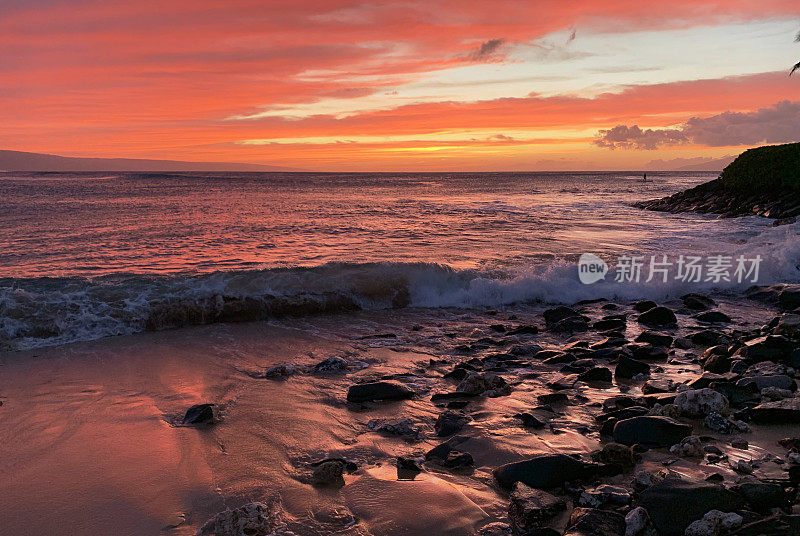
158,79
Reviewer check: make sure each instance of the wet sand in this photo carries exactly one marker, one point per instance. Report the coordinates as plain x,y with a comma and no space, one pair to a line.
93,441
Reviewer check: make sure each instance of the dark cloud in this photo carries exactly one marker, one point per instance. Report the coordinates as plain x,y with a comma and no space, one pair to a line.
625,137
777,124
488,50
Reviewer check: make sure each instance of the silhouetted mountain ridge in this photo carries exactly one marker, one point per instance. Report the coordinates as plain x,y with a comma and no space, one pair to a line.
24,161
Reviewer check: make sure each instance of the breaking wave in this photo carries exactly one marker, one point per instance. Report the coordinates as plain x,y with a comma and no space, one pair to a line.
48,311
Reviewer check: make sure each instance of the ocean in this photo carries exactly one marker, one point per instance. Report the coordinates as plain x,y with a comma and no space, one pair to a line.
89,255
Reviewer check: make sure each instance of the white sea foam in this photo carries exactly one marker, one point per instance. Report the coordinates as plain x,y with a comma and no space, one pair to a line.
50,311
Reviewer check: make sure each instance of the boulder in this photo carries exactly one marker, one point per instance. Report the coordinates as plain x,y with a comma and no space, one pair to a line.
252,519
628,367
674,504
650,430
330,365
644,305
700,402
383,390
596,374
201,414
712,317
637,523
654,338
329,474
713,522
595,522
530,420
646,351
698,302
616,454
449,423
762,496
546,471
784,411
778,381
658,316
486,384
530,508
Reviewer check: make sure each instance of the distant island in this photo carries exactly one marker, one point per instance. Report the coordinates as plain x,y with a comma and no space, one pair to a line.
24,161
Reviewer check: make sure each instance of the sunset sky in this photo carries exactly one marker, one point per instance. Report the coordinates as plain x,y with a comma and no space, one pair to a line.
434,85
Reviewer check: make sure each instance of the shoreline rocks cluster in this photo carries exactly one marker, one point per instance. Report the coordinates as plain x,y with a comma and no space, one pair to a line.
714,198
743,379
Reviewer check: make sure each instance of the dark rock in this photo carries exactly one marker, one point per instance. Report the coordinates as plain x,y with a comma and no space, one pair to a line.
561,383
595,522
499,328
656,339
646,351
202,414
616,454
557,314
609,324
658,316
530,508
488,384
658,386
609,342
547,471
456,459
789,298
650,430
554,357
762,496
525,349
628,368
329,474
596,374
698,302
553,398
709,337
524,330
769,348
449,423
251,519
529,420
713,317
458,374
329,365
407,468
738,396
707,378
717,362
673,504
570,325
780,381
384,390
644,305
719,423
449,456
782,411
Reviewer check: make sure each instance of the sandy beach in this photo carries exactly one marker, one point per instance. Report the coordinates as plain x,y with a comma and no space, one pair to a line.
96,446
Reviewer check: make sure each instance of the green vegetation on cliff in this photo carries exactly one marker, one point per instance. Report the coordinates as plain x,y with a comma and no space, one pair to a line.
764,168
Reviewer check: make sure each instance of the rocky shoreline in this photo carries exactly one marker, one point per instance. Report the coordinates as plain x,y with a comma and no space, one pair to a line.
714,198
678,453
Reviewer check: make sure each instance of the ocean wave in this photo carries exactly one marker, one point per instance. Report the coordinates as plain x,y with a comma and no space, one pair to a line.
36,312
